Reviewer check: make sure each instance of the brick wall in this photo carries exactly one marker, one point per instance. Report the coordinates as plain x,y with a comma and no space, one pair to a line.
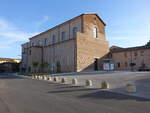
88,47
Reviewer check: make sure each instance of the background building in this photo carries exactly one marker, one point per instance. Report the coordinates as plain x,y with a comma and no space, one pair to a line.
133,58
9,65
3,60
75,45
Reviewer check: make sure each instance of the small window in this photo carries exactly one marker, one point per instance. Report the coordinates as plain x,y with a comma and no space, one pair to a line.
32,43
45,41
63,36
29,52
53,39
125,54
142,53
95,35
29,69
126,64
118,64
135,53
75,30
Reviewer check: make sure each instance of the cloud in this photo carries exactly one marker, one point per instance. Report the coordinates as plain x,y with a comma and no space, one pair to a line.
5,25
42,21
10,34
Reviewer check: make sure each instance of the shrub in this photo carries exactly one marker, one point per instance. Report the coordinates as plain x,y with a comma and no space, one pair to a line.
45,64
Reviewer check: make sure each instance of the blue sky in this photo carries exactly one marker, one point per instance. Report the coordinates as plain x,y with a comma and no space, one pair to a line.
128,21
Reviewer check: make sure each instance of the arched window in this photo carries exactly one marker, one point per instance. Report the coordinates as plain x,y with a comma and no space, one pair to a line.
75,30
95,33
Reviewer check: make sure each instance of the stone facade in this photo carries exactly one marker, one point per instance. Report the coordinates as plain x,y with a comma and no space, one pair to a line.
72,46
134,58
90,48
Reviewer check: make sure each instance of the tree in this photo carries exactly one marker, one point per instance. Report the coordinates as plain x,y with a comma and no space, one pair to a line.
45,64
35,65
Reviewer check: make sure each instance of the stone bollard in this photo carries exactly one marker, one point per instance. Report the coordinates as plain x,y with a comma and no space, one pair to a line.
88,83
131,88
38,77
33,77
55,79
41,77
45,77
105,85
49,78
74,81
63,80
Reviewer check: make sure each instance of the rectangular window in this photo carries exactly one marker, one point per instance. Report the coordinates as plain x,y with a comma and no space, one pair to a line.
75,30
53,39
142,53
29,69
45,41
118,64
126,64
125,54
32,43
29,52
63,36
135,53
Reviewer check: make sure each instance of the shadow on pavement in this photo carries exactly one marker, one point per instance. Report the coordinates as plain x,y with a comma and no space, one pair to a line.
9,76
94,93
144,80
111,95
71,89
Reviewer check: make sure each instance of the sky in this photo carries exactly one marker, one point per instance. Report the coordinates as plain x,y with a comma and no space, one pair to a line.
128,21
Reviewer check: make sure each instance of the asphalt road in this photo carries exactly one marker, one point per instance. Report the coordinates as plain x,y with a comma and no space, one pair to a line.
22,95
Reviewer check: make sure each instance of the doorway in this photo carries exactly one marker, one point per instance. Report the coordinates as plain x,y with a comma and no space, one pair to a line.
96,64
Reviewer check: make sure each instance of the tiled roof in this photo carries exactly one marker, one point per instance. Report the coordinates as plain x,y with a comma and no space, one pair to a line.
118,49
8,59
